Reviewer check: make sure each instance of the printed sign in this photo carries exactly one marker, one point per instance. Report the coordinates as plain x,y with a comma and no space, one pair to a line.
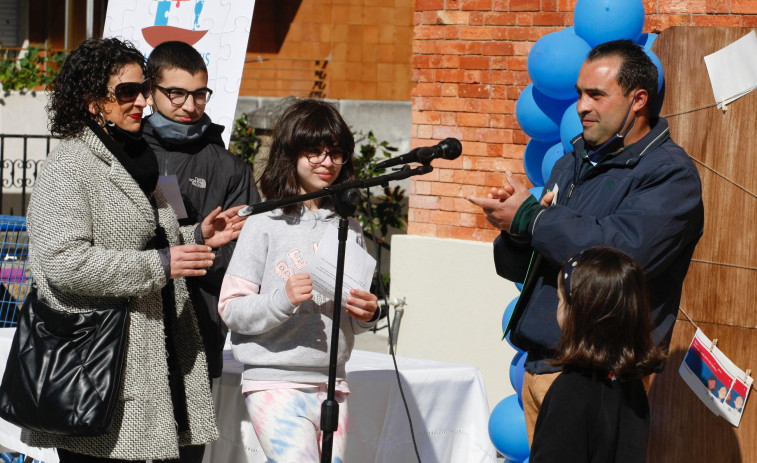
718,383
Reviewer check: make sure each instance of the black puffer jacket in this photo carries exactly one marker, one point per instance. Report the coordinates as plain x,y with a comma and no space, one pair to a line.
209,176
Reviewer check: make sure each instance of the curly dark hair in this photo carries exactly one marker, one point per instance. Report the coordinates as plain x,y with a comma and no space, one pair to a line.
606,323
305,124
83,78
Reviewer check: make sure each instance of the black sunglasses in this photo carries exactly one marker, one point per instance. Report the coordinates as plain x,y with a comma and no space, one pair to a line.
126,92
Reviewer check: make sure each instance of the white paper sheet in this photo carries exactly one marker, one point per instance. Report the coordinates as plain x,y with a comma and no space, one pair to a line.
719,383
733,69
169,185
358,265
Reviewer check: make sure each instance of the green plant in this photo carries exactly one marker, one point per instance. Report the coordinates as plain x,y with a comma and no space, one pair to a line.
35,68
386,210
244,142
376,214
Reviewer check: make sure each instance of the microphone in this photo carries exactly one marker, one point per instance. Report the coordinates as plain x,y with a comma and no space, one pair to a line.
449,148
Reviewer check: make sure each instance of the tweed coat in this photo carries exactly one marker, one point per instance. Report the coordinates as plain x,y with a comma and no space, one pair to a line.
88,224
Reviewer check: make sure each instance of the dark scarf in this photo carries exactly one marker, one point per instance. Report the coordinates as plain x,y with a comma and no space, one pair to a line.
140,161
135,155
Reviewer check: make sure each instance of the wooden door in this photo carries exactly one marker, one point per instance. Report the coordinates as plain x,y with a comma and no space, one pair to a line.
720,292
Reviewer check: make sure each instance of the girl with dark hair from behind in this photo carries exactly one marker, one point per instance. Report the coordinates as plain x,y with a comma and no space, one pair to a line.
597,411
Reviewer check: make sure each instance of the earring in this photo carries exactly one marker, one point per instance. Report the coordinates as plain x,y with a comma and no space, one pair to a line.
105,122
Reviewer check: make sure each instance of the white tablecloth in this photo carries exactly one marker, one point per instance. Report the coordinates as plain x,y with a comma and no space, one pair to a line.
447,403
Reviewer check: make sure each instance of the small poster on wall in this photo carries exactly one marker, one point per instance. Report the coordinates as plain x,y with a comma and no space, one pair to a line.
218,29
718,383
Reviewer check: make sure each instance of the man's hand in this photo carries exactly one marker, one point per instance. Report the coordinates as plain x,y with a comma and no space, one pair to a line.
500,205
546,200
218,228
190,260
299,288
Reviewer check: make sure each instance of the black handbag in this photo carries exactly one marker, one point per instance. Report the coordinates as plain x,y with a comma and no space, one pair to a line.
64,370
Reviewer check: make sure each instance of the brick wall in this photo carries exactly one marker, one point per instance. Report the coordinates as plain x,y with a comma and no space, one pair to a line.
470,65
340,49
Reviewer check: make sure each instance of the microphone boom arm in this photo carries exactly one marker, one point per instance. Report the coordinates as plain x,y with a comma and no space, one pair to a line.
405,172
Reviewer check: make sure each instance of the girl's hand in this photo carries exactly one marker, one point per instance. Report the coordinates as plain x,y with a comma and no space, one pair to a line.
299,288
361,305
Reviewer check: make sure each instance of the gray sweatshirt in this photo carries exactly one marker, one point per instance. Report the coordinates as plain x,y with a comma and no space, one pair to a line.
273,339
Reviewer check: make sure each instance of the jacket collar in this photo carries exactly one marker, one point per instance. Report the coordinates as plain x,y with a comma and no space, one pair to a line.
630,156
212,135
118,174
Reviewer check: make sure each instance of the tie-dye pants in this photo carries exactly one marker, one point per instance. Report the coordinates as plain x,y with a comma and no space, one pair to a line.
288,424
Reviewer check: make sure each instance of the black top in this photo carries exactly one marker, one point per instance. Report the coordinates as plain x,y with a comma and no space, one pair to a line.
209,176
592,419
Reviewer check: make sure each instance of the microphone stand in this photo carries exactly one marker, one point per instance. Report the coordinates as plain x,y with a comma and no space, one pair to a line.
345,199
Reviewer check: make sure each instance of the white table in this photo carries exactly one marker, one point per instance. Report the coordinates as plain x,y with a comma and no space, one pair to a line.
447,403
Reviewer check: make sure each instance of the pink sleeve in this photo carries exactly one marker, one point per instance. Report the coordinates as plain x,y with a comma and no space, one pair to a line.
232,288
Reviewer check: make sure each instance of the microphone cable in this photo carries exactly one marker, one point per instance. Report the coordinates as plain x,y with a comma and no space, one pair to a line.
383,291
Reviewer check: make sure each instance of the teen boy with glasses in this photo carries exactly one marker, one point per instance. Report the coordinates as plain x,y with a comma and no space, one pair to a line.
189,146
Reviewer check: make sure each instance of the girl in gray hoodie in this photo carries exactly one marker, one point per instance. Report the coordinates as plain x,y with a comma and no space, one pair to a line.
280,327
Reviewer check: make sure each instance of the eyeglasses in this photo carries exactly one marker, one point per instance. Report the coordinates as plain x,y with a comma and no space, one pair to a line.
126,92
178,96
317,155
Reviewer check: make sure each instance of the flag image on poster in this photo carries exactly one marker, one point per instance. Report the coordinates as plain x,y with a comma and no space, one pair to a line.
218,29
717,381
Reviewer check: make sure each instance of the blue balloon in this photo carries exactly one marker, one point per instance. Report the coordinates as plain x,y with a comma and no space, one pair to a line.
570,126
539,115
647,39
532,160
519,286
507,338
554,62
507,429
517,370
536,191
600,21
658,64
508,313
553,154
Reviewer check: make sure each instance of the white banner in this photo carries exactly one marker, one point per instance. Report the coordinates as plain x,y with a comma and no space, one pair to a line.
218,29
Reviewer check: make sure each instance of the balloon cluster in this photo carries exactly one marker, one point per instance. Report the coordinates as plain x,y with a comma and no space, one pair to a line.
546,109
546,112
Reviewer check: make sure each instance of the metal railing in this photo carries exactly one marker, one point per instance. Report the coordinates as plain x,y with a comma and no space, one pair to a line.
19,170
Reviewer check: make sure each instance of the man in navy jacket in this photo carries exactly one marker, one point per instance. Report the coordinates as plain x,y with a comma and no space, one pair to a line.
626,184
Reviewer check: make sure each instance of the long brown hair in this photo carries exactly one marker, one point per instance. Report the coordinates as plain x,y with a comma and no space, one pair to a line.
305,124
606,324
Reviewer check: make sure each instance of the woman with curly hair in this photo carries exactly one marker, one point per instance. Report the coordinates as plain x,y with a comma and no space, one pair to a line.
103,235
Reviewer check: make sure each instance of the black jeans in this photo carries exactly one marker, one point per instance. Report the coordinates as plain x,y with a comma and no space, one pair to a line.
190,454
